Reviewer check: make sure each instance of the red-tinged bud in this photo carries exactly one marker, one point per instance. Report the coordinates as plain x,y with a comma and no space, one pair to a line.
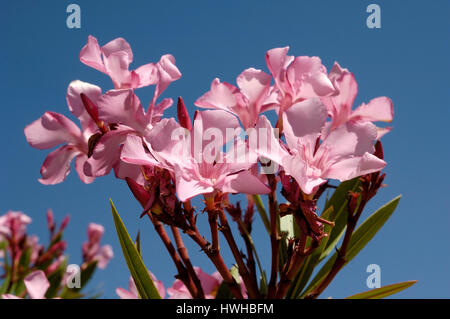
195,114
92,110
58,248
379,150
64,223
352,202
139,192
183,115
50,221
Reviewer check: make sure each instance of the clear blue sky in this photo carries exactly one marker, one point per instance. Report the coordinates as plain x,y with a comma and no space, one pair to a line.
408,59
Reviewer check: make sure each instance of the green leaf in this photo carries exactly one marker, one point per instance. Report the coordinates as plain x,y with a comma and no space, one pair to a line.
55,279
384,291
363,234
25,257
288,227
262,211
311,262
141,277
5,283
339,201
137,242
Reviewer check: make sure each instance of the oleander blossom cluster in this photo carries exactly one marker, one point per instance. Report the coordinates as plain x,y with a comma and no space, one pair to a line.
229,147
38,271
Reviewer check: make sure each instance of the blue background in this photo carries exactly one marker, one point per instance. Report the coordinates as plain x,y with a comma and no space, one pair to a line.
408,59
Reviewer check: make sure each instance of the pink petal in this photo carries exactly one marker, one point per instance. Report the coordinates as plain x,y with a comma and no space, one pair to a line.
340,105
157,111
297,168
106,153
105,255
178,291
383,131
117,65
304,120
221,96
124,107
118,45
245,183
356,166
133,152
167,144
254,84
36,284
9,296
148,74
91,55
76,105
263,140
122,170
278,61
80,160
167,73
378,109
57,165
52,129
125,294
217,120
308,78
187,187
159,286
209,283
349,140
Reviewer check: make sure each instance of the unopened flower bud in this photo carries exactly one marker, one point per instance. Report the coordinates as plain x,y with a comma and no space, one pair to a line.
139,192
183,115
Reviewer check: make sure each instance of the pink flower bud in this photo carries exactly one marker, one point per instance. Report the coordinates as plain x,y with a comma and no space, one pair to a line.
138,191
183,115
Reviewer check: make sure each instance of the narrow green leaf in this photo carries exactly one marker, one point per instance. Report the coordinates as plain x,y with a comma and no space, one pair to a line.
138,242
141,277
5,283
339,201
384,291
55,279
262,211
363,234
223,292
288,227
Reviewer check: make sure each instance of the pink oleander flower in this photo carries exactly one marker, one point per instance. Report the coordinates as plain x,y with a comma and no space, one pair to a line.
92,251
132,292
246,101
53,129
210,285
340,105
13,225
296,78
199,166
114,59
123,109
36,284
347,152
